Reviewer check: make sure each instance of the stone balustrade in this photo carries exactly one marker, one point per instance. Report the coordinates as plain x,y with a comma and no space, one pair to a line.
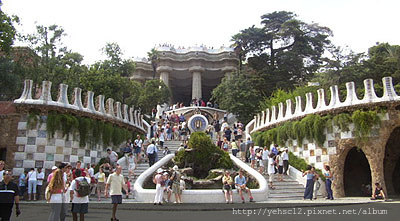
117,112
276,115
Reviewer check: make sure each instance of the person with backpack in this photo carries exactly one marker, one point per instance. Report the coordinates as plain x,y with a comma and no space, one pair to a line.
80,190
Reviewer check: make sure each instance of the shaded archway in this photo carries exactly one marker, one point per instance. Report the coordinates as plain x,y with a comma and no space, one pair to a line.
356,174
392,163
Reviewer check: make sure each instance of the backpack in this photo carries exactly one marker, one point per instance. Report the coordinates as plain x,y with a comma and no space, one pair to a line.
83,188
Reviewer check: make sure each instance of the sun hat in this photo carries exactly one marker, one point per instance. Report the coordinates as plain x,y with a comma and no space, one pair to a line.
54,168
159,170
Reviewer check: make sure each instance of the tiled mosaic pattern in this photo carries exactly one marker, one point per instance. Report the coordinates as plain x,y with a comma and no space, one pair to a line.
318,156
36,150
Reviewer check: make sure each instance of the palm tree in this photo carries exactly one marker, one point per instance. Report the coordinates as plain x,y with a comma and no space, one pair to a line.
153,58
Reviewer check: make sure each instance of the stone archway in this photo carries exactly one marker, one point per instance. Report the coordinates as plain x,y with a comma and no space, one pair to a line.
392,163
356,173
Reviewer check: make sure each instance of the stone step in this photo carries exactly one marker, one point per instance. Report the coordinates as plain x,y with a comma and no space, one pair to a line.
283,187
287,191
280,195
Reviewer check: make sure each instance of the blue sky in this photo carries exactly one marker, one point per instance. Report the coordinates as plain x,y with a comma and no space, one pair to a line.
137,26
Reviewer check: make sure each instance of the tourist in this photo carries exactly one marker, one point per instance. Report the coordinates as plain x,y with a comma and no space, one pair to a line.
225,145
275,149
182,185
176,182
106,168
138,148
166,151
40,178
131,165
249,144
151,153
235,148
100,183
9,194
50,176
90,170
308,192
279,163
271,170
259,156
32,182
128,187
227,186
55,196
252,156
285,157
115,182
79,194
328,184
78,167
317,183
264,159
242,148
112,156
159,190
167,187
228,133
22,184
378,193
240,183
1,169
65,169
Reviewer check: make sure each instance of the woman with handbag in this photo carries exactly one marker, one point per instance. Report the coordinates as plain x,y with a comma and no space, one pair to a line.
227,182
55,195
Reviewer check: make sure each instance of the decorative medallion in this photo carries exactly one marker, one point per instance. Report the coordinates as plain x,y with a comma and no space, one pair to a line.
198,122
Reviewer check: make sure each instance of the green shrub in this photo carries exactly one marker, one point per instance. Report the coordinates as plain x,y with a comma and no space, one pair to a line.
301,165
363,123
204,156
343,121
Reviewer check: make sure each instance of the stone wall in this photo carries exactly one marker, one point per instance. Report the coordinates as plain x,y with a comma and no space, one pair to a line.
338,144
34,149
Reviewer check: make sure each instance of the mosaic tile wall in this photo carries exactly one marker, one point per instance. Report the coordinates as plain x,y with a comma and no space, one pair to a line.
318,156
36,150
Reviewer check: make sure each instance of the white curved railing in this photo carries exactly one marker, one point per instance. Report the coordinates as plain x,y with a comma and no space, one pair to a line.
122,112
200,196
268,118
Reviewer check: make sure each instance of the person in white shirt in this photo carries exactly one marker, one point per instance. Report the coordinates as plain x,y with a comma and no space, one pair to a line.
151,153
1,169
40,178
113,156
271,169
285,157
79,203
92,178
116,183
138,148
264,159
32,182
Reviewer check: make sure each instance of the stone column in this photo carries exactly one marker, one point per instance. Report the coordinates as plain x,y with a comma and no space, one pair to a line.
164,76
196,85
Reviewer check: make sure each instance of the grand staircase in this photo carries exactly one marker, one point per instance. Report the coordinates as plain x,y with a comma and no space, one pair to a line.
288,189
144,165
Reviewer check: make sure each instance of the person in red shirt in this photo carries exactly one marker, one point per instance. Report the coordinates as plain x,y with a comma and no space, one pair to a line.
78,167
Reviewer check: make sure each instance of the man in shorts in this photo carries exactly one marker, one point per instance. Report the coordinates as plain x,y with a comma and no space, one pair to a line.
80,203
138,148
240,183
115,182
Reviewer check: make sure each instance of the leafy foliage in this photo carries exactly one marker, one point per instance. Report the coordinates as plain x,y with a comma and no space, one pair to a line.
154,92
8,31
301,164
90,131
342,120
203,152
363,123
236,95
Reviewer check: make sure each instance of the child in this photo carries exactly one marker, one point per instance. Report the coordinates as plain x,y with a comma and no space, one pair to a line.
182,183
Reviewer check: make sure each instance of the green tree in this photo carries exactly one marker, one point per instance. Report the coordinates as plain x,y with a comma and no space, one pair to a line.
115,64
154,92
7,31
283,52
236,95
153,55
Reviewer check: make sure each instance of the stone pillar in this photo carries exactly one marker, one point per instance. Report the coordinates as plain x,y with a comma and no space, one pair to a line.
196,85
164,76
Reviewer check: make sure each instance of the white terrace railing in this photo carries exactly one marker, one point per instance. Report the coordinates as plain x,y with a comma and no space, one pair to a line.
121,113
269,117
